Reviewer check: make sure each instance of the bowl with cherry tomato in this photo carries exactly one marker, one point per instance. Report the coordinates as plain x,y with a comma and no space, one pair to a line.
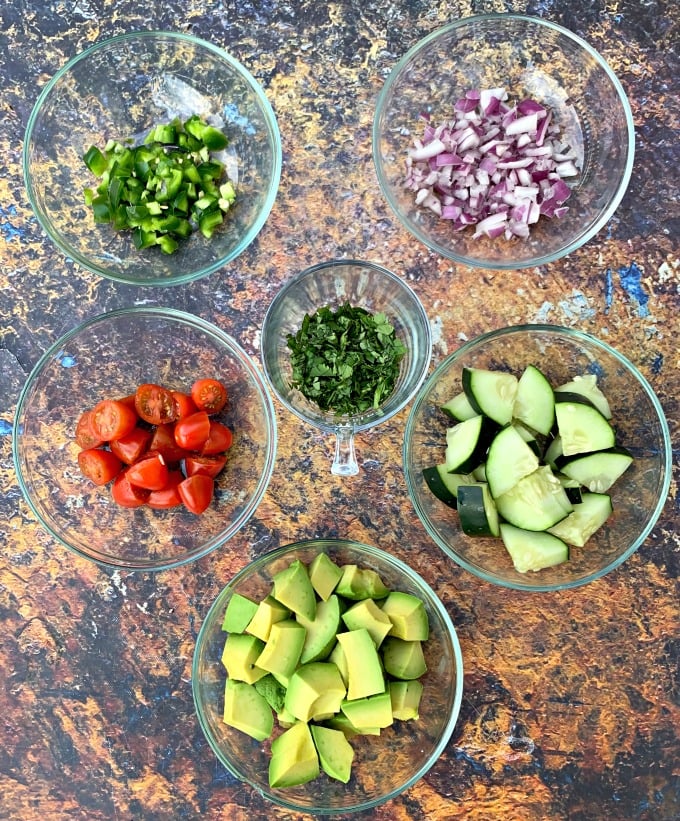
144,438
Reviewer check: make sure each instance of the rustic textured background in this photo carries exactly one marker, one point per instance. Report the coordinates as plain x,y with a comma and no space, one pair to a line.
571,700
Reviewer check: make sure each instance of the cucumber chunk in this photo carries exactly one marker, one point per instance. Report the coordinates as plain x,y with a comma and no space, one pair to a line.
444,485
582,428
459,408
509,459
584,520
536,502
491,393
586,385
467,443
477,510
531,550
534,401
597,471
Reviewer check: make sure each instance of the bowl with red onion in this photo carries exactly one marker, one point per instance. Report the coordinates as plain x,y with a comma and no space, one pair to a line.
503,141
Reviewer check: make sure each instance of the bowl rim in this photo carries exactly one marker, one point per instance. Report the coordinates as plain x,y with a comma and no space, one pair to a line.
248,236
351,424
403,569
588,339
584,236
224,339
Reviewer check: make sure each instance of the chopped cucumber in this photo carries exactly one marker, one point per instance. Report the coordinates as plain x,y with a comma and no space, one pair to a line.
581,426
467,443
586,385
477,510
536,502
459,408
445,485
491,393
531,550
597,471
584,520
534,401
509,459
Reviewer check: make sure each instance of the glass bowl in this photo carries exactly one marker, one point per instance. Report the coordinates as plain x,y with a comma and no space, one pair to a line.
365,285
120,89
383,766
109,356
561,353
529,57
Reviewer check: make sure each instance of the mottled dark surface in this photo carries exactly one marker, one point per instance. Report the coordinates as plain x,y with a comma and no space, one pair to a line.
571,703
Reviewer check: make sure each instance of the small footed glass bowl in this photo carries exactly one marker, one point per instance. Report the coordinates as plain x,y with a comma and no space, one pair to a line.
638,496
384,765
364,285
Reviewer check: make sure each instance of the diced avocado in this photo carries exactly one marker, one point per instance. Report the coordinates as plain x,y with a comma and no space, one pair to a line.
294,758
366,613
359,583
238,614
373,711
335,752
314,689
285,718
239,655
321,632
272,690
364,670
324,575
247,710
403,659
408,616
293,588
339,658
281,652
268,612
342,723
405,696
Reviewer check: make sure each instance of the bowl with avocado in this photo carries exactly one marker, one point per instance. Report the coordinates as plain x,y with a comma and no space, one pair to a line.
328,675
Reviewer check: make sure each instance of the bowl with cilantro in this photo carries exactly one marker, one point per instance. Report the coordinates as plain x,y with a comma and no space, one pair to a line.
345,346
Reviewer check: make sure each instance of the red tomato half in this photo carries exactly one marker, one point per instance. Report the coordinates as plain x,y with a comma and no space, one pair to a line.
192,433
184,405
219,439
129,448
155,404
209,395
85,435
100,466
206,465
169,495
196,492
125,494
150,472
112,419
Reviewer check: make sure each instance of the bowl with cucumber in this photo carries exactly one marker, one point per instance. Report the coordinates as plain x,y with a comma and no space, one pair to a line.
328,676
537,457
152,158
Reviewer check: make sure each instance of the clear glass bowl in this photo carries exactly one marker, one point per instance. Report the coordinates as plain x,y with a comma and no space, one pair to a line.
109,356
119,89
383,766
365,285
561,353
533,58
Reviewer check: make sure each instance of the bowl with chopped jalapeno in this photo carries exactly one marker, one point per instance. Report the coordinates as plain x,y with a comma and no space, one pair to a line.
345,346
152,158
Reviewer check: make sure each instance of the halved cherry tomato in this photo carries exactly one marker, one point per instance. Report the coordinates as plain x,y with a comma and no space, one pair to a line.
99,465
125,494
184,405
196,493
112,419
155,404
129,400
85,435
169,495
163,440
219,439
192,433
129,448
150,472
206,465
209,395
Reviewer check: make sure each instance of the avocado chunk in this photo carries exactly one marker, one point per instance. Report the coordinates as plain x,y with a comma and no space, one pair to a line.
366,613
247,710
342,723
408,616
321,632
324,575
358,583
281,653
339,659
315,690
405,697
373,711
403,659
335,752
364,670
268,612
239,655
293,588
238,614
272,690
294,758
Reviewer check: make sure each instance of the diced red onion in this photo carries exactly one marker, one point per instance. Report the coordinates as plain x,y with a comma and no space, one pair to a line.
496,166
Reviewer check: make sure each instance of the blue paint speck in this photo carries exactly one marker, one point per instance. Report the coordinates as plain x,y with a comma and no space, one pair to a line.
9,231
657,364
5,427
608,290
65,360
232,115
631,280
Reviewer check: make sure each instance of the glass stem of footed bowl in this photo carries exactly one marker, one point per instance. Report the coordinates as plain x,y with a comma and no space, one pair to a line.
345,461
